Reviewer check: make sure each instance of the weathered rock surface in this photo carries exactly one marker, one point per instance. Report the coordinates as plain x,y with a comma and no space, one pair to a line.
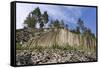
47,56
61,37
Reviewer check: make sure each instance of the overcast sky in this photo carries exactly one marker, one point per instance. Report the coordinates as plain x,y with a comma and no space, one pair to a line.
69,14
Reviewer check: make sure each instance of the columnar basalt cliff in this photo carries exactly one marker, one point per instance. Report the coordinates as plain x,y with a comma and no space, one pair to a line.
46,38
61,37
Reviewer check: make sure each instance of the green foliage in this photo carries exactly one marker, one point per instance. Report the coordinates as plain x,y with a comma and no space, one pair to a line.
30,21
93,36
18,46
56,24
77,30
83,30
63,47
45,17
62,23
80,24
36,16
87,32
36,12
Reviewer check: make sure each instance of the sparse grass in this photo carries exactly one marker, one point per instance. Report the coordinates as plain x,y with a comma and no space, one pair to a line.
67,47
19,47
63,47
54,47
41,48
37,48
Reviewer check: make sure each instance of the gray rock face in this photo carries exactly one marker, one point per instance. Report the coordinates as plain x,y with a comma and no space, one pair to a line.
52,56
61,37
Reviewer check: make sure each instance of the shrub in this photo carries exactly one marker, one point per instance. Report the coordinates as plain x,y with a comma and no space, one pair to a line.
18,46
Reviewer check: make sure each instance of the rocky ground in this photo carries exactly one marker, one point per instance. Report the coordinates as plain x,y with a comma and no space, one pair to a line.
25,57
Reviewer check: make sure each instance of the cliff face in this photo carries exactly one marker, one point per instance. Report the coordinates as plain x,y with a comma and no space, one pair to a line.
67,37
42,54
61,37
